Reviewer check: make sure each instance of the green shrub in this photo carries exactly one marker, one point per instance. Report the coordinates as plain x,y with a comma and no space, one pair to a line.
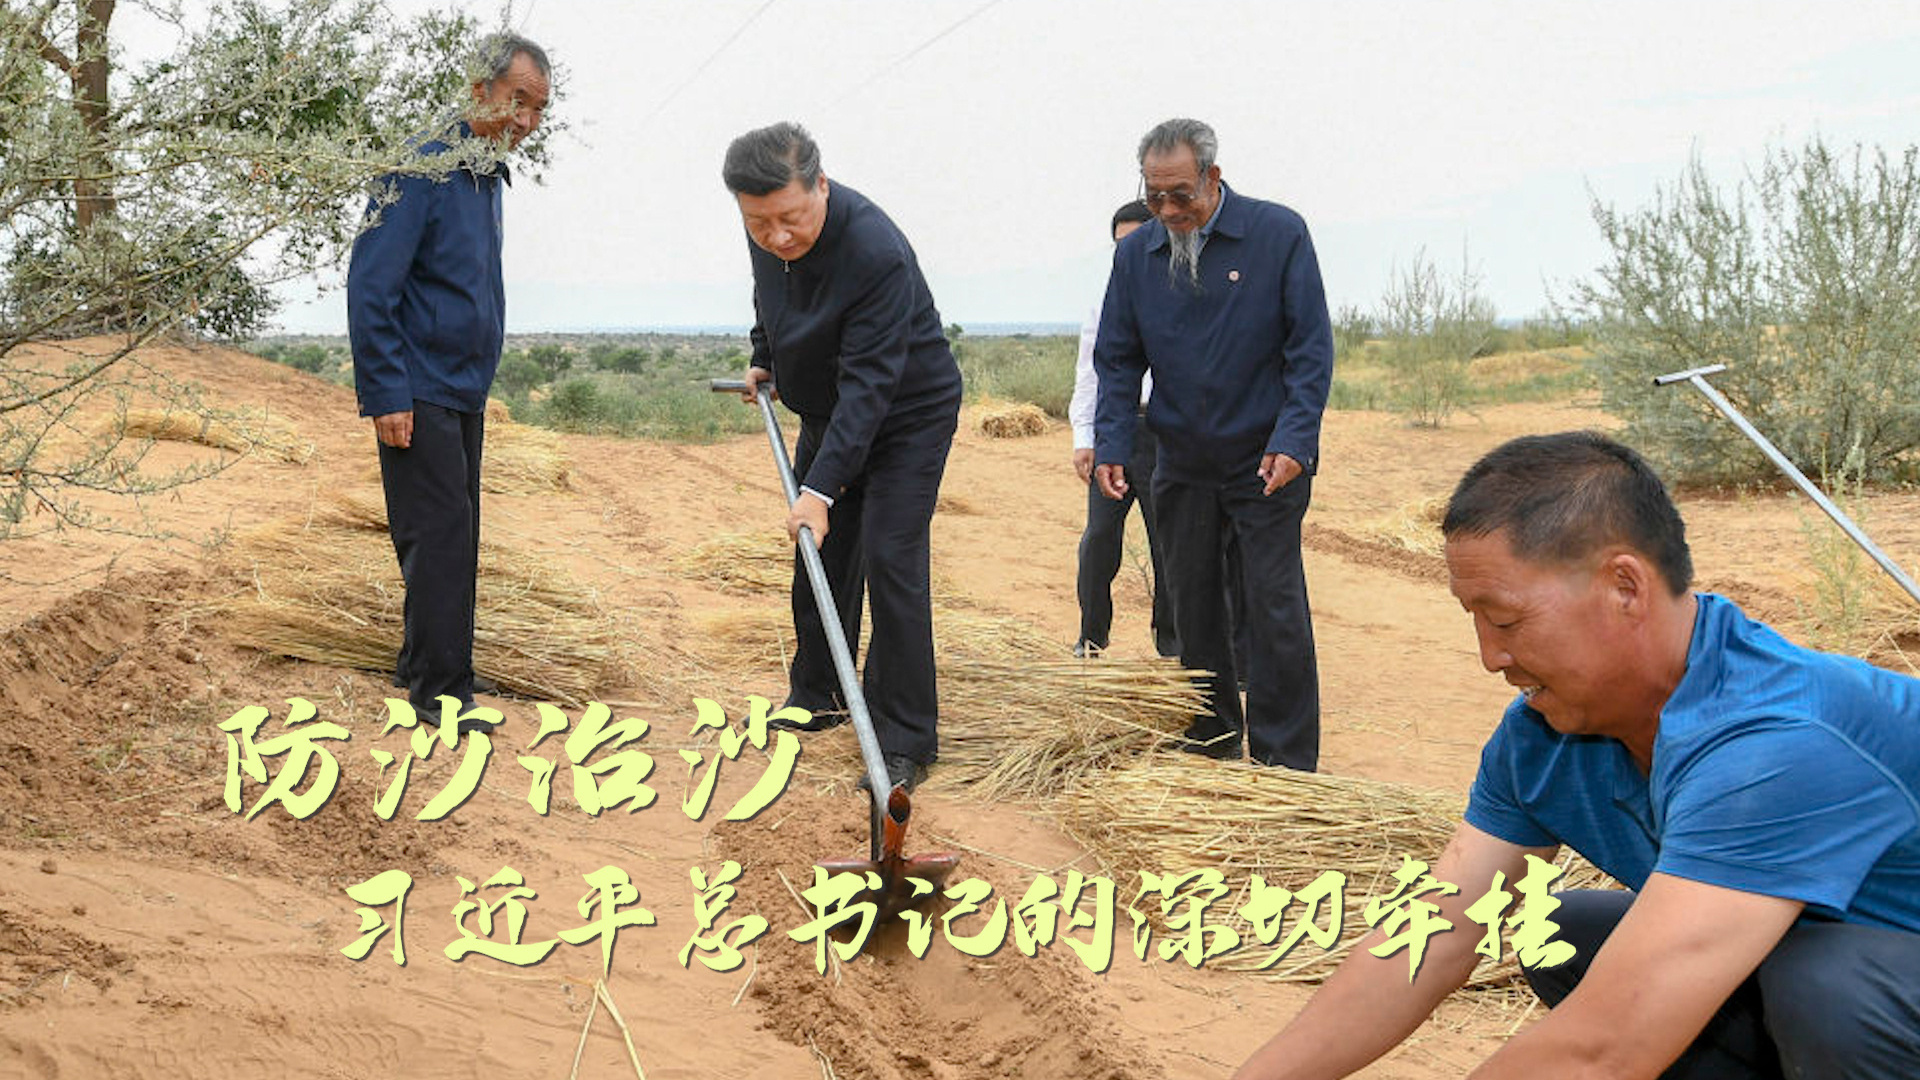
1804,280
1432,326
1020,368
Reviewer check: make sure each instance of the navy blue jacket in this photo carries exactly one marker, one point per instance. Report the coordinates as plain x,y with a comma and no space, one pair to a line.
851,336
426,310
1241,368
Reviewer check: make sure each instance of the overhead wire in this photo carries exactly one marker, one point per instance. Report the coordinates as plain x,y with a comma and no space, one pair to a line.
913,52
708,62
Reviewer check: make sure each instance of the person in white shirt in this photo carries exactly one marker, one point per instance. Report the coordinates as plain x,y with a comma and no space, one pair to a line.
1101,543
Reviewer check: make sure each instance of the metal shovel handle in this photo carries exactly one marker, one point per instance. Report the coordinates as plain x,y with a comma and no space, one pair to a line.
1697,377
877,780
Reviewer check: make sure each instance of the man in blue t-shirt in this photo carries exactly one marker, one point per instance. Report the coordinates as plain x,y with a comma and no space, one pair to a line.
1761,801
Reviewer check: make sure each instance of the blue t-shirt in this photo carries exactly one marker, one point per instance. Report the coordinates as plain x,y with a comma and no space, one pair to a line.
1777,770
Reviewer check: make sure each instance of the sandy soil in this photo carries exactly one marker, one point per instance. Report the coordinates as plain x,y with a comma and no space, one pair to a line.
146,931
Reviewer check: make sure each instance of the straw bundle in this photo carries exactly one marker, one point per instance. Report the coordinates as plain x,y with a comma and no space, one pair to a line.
523,460
1013,421
1170,813
242,432
1013,721
762,562
1414,527
497,412
759,561
326,589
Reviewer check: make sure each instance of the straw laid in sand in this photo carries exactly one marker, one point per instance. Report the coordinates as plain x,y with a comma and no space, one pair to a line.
1170,813
760,561
327,589
1014,720
523,460
242,432
1013,421
1414,527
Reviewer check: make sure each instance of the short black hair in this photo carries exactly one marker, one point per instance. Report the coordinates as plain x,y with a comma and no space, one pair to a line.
767,159
1131,210
1563,497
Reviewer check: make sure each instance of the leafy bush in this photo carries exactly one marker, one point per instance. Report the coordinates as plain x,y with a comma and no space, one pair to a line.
1804,280
1433,326
1020,368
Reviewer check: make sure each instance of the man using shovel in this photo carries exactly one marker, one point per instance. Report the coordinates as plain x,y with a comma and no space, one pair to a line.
846,330
1760,800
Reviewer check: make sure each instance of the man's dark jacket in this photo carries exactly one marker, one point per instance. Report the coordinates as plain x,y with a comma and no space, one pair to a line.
1241,365
851,336
426,308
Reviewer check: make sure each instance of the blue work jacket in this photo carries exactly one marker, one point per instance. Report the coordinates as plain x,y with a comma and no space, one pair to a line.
1241,365
426,309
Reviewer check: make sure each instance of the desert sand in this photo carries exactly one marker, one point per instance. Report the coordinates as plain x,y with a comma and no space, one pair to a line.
148,931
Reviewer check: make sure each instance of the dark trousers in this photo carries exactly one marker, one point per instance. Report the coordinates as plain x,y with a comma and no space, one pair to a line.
1196,520
877,542
433,514
1833,1001
1101,545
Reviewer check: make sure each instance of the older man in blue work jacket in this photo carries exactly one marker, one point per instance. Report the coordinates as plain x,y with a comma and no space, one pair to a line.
1220,298
426,314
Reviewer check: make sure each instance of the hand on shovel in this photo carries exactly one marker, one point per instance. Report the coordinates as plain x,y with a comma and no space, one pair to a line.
809,510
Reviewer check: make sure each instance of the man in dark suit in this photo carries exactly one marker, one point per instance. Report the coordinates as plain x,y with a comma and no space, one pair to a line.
1220,298
845,328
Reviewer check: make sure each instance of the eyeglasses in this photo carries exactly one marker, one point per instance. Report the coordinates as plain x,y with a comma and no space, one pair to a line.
1181,198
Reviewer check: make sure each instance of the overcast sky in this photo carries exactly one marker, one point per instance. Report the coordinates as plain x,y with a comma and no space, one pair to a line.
1000,135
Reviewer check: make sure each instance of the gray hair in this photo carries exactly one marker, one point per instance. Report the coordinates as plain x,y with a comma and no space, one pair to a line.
1169,135
496,54
767,159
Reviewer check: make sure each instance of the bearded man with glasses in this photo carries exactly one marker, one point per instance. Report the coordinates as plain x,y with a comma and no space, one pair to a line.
1220,298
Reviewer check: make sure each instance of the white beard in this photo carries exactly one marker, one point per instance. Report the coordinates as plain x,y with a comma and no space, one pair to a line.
1183,258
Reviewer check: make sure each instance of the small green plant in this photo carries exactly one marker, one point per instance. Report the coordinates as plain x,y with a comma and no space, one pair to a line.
1433,325
1020,367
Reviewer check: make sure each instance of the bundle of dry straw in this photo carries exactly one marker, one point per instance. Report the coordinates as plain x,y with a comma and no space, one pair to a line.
1170,813
1414,527
326,588
1013,421
242,432
1014,721
523,460
759,561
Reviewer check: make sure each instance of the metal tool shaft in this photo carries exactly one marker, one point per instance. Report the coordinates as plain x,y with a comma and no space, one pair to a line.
1698,377
870,754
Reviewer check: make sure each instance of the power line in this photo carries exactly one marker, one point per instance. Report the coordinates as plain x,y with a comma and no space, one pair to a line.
913,52
708,62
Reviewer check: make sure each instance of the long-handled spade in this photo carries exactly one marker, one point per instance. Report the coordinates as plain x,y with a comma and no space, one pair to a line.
1698,378
891,805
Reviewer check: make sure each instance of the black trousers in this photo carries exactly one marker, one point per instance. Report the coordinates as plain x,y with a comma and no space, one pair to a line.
1281,722
1101,545
877,544
1833,1001
433,516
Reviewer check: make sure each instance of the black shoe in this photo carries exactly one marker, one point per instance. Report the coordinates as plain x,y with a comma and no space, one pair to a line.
902,770
467,723
1166,644
481,684
822,721
1087,650
475,723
